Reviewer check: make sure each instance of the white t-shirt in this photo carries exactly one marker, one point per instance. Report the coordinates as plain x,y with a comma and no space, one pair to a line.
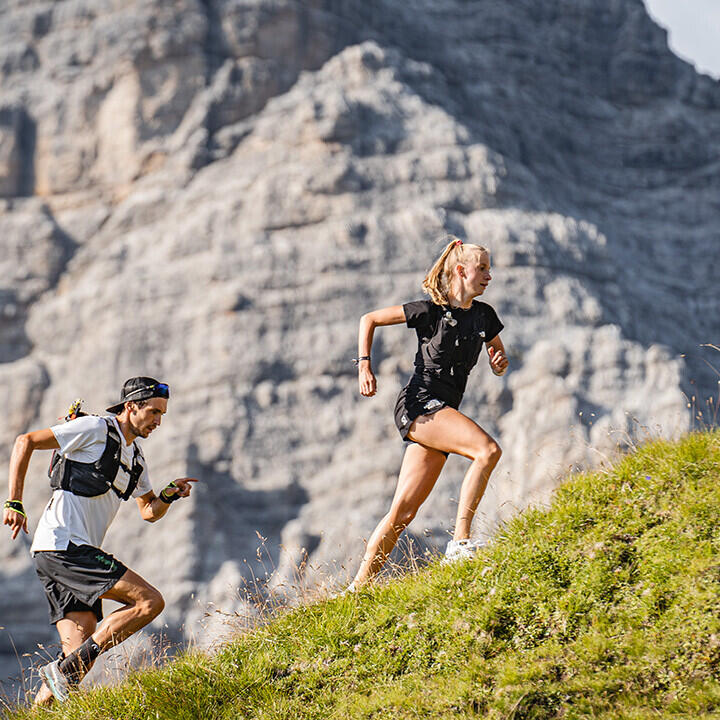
85,520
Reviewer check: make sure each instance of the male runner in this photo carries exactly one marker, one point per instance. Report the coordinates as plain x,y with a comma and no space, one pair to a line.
96,465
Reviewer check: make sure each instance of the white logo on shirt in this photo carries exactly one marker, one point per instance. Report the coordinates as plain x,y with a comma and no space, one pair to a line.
451,321
432,404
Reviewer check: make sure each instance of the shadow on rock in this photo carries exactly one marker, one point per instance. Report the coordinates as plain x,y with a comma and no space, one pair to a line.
233,522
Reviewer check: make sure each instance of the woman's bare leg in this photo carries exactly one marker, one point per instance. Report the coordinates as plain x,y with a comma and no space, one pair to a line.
420,469
449,430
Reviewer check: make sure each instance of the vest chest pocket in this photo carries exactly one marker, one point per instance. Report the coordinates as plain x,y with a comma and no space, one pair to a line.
93,479
471,345
443,344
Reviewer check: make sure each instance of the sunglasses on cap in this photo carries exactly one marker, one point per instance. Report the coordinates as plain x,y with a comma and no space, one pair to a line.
161,390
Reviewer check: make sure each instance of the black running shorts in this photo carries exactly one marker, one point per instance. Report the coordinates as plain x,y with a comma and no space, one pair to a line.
74,579
413,401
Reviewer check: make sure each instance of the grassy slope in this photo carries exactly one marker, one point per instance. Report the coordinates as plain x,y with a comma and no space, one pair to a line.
607,605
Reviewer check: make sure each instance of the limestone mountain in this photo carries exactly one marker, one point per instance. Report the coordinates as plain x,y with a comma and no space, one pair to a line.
213,192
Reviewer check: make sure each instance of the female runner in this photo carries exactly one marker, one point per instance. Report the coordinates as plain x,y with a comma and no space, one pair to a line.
451,330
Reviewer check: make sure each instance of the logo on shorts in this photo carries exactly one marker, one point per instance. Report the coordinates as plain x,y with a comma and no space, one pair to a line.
107,562
432,404
481,334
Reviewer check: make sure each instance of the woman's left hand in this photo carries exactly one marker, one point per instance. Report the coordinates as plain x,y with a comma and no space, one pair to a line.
498,361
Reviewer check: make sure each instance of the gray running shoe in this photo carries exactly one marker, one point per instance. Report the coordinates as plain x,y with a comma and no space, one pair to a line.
55,680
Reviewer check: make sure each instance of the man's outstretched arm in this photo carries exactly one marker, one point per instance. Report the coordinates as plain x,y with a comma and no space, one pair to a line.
13,512
153,507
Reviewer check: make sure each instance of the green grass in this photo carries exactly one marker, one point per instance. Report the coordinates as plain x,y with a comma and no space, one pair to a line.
606,605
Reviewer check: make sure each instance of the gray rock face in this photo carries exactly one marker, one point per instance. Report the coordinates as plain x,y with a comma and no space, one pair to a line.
213,193
16,139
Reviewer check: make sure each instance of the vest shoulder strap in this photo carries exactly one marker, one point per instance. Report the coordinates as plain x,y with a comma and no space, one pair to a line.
113,451
109,461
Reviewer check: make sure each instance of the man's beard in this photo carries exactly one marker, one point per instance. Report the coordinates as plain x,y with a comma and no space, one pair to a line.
135,429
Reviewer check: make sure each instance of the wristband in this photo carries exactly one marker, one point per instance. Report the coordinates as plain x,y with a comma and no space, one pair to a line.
16,506
358,360
169,498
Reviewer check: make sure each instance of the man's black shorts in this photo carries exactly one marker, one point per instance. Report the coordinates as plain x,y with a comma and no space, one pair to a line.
74,579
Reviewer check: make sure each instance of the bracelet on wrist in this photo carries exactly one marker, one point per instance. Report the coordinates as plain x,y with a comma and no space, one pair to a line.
169,498
16,506
358,360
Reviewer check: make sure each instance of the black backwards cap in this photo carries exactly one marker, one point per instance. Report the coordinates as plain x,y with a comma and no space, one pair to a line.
139,388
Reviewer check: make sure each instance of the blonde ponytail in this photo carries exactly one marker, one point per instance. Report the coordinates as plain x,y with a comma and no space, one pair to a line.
437,282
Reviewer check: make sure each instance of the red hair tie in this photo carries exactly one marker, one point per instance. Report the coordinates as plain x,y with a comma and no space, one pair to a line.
458,242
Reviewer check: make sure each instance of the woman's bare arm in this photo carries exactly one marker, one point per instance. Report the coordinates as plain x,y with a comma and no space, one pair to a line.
393,315
498,358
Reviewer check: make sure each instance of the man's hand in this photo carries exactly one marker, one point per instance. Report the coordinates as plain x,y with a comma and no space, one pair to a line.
152,507
182,487
498,361
15,520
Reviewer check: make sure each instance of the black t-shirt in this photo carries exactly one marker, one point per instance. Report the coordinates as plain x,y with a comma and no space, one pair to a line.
449,344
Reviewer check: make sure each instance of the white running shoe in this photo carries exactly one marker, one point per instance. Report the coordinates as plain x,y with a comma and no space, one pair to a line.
349,590
461,550
343,593
55,680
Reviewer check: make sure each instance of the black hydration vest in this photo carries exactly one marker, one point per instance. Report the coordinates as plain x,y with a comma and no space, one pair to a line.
96,478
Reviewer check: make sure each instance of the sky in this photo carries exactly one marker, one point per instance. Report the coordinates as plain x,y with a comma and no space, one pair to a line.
694,30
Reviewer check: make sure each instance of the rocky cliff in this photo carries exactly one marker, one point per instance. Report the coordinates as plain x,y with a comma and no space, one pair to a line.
213,192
